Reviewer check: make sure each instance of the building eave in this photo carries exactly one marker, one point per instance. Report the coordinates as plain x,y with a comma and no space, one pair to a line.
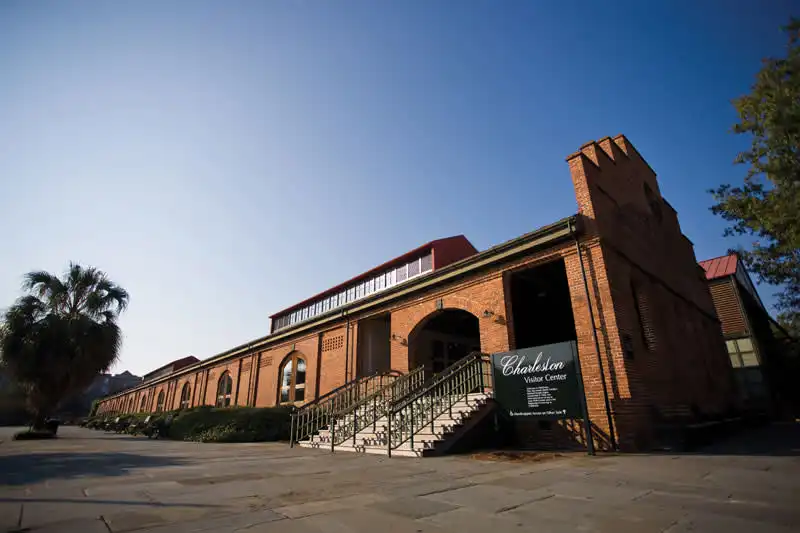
546,235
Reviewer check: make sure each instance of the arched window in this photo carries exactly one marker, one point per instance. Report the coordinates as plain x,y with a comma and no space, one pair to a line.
160,402
186,396
143,404
224,388
293,379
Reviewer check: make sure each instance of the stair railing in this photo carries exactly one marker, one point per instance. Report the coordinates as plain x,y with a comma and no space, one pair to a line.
423,407
311,417
348,422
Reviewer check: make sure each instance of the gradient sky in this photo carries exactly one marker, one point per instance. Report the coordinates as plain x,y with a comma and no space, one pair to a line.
223,160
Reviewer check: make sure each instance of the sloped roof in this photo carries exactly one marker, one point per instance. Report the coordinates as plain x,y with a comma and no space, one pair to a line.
176,364
719,267
463,248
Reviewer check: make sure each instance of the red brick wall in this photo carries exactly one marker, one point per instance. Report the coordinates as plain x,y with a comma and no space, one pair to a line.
271,360
475,297
728,306
679,362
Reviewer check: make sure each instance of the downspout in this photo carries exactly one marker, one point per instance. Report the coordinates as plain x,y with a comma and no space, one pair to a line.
609,418
347,348
257,372
238,382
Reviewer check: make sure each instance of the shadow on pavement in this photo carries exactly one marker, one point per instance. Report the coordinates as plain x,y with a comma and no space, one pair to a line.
30,468
779,439
104,502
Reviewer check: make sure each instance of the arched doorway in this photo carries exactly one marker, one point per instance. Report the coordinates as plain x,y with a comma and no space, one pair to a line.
443,338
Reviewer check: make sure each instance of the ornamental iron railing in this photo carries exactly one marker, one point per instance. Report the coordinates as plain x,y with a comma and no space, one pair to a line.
348,422
423,407
312,417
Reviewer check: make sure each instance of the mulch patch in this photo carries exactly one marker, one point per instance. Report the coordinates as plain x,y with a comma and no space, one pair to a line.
516,456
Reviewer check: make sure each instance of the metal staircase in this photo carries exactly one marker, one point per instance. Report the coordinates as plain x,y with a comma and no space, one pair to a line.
409,416
312,417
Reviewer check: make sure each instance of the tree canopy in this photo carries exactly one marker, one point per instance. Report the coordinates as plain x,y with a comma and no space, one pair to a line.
56,339
767,205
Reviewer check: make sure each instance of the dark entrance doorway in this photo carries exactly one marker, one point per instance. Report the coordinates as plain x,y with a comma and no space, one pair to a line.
373,352
442,339
541,306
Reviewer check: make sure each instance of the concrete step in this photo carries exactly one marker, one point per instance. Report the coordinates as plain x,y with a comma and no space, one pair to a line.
372,439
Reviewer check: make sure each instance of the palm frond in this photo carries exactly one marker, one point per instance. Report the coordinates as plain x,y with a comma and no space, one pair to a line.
46,287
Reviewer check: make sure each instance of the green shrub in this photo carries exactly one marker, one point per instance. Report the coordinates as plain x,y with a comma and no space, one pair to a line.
34,435
233,424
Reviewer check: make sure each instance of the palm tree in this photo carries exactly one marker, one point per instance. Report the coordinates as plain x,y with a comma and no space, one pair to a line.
61,334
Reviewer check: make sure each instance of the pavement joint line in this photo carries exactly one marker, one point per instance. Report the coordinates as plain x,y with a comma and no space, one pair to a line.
512,507
440,491
21,514
642,495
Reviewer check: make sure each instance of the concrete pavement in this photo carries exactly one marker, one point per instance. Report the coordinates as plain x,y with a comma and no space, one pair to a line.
88,481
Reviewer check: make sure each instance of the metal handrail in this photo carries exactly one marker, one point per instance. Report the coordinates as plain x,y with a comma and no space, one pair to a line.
408,417
438,378
310,418
348,422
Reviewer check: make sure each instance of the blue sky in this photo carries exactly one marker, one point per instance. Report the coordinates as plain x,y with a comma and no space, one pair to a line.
223,160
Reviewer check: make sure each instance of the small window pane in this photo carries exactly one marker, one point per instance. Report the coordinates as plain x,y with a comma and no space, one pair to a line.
745,345
287,374
413,268
400,274
390,278
299,394
427,263
749,359
351,295
359,290
380,282
300,378
284,394
731,346
735,361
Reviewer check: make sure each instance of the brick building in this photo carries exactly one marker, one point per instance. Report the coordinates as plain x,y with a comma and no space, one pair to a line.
619,278
759,347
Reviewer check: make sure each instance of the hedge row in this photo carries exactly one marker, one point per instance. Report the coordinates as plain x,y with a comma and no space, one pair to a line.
211,424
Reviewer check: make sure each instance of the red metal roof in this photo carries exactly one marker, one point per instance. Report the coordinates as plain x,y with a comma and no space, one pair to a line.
445,251
719,267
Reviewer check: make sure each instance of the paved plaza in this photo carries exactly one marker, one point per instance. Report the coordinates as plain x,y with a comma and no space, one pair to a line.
94,482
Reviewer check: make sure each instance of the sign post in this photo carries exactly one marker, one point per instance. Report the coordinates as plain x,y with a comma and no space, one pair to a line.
543,382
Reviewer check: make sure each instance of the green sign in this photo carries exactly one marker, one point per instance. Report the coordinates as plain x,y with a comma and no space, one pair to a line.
539,382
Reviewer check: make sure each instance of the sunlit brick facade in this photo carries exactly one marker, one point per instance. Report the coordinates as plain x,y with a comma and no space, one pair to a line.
661,351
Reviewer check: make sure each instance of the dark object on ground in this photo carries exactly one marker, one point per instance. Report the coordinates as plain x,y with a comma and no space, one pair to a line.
159,427
34,435
138,426
51,425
